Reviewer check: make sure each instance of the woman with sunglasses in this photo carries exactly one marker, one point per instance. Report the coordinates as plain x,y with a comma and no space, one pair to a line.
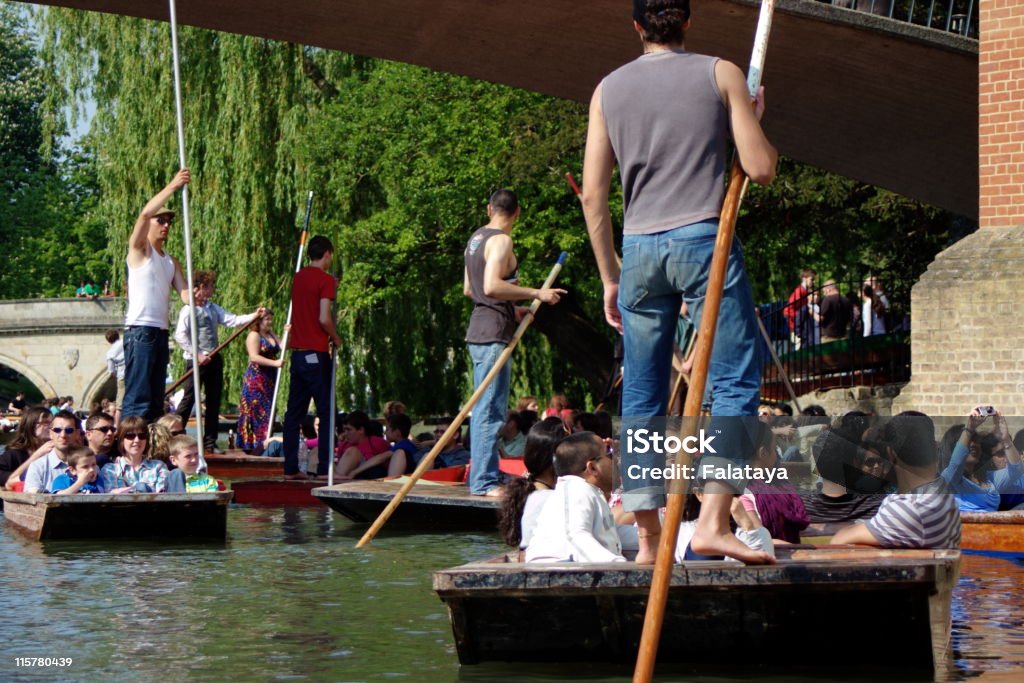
31,441
134,470
877,474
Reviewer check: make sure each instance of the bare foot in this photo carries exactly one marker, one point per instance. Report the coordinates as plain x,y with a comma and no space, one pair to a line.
727,544
496,492
648,549
297,476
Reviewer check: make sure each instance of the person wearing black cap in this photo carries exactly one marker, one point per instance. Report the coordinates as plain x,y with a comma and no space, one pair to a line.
151,272
667,117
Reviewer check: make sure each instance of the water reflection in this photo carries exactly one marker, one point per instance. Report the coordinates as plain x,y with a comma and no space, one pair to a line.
289,597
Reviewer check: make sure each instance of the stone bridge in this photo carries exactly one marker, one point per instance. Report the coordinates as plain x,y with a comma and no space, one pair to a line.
58,344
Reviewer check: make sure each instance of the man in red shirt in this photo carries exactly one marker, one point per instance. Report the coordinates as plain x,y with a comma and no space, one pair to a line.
801,325
313,328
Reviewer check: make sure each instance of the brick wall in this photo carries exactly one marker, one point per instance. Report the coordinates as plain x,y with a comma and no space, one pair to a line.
965,310
965,336
1001,113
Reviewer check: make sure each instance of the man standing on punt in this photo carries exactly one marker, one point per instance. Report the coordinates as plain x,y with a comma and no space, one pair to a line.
666,117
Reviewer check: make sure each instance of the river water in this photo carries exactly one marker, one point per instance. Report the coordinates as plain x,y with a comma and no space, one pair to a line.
289,598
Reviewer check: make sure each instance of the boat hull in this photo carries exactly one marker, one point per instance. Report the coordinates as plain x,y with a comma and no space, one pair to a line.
994,531
428,506
278,492
142,516
807,609
236,464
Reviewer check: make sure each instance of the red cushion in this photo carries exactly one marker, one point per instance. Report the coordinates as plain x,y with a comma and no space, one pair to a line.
514,466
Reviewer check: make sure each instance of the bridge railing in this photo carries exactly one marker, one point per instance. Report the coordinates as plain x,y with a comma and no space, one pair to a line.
953,16
812,361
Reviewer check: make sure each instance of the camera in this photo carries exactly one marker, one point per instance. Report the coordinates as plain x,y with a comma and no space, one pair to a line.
986,410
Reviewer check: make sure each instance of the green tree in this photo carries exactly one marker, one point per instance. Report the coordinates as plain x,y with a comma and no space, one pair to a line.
46,198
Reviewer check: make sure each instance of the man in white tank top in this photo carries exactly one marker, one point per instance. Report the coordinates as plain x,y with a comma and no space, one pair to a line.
151,273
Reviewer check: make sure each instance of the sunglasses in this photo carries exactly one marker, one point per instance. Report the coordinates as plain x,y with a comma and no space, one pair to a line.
63,430
177,432
106,430
164,220
873,462
132,436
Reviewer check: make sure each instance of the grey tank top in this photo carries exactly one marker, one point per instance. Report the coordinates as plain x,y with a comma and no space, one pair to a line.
493,320
668,127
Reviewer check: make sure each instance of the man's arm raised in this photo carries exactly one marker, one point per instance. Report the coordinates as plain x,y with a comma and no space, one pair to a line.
496,253
139,240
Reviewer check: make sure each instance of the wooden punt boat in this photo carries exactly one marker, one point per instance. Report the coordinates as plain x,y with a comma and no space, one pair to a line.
998,531
275,492
430,504
805,611
141,516
235,464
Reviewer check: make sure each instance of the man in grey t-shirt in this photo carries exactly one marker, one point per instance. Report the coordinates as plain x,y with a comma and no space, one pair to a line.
490,280
665,117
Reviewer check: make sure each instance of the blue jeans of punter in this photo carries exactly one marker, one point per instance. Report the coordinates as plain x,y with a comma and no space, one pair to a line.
487,418
309,375
146,354
659,272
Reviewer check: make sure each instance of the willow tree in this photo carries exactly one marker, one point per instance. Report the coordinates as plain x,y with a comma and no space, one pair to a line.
401,159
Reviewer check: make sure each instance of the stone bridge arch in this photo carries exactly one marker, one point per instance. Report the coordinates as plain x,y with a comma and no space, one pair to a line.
59,344
40,382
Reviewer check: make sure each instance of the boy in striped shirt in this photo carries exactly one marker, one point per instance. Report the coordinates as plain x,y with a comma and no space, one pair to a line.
924,514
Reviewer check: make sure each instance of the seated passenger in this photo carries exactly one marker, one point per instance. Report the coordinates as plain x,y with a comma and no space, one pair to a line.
512,436
836,456
971,471
82,475
923,514
779,507
99,437
42,472
402,447
183,451
453,453
363,456
576,524
31,442
133,469
525,496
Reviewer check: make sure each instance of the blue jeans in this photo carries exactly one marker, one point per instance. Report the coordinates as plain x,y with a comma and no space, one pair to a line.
146,354
309,375
487,418
659,272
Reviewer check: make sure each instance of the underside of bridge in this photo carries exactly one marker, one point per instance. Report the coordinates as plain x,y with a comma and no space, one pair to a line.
883,102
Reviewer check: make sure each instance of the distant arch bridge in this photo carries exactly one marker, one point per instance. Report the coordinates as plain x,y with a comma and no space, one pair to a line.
874,99
58,344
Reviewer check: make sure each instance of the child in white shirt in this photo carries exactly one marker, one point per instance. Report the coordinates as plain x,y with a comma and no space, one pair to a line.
576,524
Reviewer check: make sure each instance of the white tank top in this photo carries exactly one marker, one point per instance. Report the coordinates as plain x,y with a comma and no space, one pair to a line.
148,285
